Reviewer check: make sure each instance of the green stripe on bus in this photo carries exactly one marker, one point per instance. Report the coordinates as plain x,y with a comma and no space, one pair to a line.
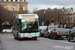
15,19
29,33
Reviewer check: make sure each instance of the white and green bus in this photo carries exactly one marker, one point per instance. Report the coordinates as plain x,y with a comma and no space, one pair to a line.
26,26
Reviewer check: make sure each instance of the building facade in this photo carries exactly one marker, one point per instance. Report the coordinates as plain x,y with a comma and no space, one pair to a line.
14,5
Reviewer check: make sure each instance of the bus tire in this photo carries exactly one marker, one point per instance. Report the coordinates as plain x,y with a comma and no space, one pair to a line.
18,37
14,36
35,38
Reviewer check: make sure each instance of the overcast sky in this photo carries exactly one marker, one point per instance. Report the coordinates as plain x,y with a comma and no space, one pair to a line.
44,4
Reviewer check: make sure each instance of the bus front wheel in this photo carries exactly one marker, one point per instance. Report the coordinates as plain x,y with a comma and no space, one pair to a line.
18,37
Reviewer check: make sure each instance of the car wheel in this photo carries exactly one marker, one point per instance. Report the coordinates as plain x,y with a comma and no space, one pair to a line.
5,32
62,38
41,35
68,38
50,37
55,36
45,36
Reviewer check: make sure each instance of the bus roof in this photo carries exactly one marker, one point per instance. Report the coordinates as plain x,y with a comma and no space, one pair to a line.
26,16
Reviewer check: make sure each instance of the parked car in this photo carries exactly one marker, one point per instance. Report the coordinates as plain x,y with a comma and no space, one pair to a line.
58,33
48,30
7,30
71,35
42,32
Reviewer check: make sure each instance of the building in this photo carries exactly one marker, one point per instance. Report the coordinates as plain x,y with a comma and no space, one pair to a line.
71,15
68,16
14,5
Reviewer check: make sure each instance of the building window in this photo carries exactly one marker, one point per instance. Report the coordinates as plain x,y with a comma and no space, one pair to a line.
4,0
5,7
23,7
11,0
14,8
22,0
16,0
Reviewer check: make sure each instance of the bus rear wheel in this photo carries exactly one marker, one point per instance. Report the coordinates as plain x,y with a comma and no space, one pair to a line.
35,38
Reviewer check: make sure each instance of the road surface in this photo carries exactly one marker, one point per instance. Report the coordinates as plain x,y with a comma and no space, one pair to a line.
9,43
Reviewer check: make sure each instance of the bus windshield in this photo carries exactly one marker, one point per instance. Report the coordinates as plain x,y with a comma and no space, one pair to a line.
30,26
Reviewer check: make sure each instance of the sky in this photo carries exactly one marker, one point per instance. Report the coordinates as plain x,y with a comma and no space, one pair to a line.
44,4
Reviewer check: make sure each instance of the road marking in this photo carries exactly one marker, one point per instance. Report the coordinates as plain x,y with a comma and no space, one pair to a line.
67,42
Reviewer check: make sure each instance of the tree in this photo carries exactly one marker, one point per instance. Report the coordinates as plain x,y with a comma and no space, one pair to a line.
57,15
5,15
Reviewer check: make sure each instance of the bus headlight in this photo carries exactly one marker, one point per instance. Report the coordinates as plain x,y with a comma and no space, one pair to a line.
21,35
37,34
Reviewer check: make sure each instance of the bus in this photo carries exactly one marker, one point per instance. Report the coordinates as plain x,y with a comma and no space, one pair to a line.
26,26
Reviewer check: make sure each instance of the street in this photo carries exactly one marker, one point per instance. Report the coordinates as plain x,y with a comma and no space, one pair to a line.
9,43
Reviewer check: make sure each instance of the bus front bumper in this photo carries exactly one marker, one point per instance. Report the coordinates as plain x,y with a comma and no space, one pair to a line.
28,36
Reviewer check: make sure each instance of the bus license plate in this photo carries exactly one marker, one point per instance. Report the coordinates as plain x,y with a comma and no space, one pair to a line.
63,36
29,35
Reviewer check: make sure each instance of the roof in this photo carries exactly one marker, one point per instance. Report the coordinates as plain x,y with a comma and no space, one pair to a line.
27,16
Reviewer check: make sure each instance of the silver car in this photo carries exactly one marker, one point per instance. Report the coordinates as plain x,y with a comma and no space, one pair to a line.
7,30
48,30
